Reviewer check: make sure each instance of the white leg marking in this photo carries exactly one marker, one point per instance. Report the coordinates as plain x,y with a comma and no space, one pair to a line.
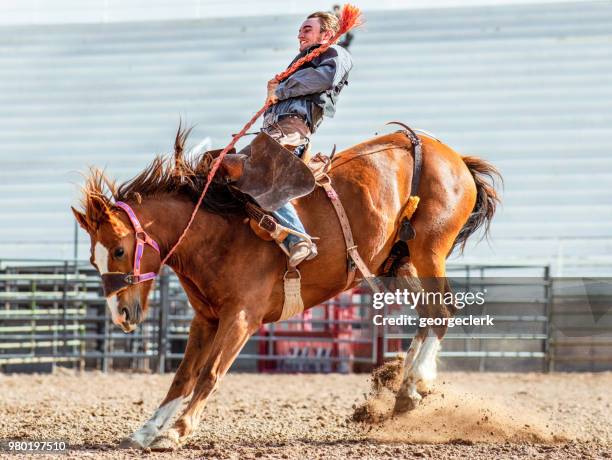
411,354
409,384
157,423
101,260
425,367
419,372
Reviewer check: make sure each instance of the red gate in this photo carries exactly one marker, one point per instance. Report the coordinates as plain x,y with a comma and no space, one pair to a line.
336,336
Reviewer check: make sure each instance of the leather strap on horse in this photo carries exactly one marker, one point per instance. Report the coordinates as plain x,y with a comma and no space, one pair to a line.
418,155
354,259
264,220
406,230
418,161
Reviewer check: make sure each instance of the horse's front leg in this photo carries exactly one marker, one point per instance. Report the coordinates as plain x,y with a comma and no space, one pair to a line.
201,335
233,332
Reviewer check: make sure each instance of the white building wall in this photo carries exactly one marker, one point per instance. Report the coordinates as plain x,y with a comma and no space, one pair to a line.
103,11
527,87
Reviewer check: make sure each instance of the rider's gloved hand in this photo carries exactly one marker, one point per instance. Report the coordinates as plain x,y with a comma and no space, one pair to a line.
272,85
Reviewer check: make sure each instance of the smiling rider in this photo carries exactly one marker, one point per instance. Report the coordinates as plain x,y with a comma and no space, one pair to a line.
299,104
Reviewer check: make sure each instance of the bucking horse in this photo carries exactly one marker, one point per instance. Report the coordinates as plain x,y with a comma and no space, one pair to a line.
236,281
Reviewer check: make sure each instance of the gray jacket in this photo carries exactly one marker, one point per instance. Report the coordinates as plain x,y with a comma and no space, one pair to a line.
312,91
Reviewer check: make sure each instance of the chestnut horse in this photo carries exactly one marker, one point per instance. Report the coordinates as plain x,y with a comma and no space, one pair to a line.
234,280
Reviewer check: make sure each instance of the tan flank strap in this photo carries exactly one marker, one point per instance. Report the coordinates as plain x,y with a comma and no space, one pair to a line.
353,257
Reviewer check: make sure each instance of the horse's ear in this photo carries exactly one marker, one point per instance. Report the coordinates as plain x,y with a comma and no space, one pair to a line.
98,212
81,218
98,209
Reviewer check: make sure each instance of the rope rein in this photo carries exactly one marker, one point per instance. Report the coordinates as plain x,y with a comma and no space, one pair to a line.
350,17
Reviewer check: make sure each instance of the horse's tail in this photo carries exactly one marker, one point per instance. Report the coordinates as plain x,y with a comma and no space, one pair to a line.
485,176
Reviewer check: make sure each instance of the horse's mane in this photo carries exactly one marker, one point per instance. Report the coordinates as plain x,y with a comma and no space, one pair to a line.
166,175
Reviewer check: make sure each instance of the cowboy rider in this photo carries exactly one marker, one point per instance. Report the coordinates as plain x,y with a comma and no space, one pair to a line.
299,104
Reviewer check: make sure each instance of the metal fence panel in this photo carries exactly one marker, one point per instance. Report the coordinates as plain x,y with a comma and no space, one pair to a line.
54,312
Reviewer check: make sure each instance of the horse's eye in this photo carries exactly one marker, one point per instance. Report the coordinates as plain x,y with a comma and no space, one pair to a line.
118,253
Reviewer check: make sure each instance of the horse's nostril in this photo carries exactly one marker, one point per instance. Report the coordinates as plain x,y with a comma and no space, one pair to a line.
127,314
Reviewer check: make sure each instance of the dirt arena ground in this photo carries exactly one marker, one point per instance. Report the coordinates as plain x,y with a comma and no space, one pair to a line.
476,416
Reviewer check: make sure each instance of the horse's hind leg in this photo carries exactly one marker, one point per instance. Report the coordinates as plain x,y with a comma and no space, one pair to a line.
420,366
201,335
408,397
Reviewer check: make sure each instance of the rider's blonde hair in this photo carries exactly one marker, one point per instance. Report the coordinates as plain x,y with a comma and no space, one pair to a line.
328,21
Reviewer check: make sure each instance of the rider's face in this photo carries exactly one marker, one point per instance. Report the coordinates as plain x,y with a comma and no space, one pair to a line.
310,34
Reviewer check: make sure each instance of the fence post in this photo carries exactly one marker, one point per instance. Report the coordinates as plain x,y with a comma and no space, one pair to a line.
64,313
164,307
106,340
550,340
75,249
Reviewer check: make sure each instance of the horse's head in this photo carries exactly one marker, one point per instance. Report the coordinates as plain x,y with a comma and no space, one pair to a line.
125,256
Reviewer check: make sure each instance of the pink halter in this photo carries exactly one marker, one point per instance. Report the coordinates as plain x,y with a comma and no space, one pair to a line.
141,239
114,282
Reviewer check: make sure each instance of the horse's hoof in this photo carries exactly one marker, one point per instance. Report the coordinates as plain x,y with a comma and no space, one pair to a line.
423,388
165,442
405,403
130,443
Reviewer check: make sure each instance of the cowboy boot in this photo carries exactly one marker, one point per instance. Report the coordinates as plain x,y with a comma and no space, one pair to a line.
302,251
